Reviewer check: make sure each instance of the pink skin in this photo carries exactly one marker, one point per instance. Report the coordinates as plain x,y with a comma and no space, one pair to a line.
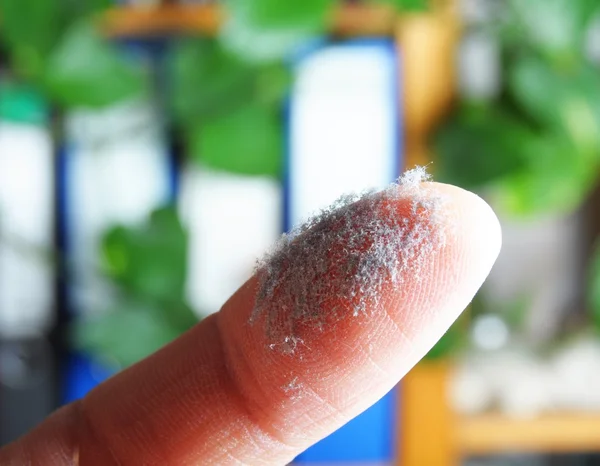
221,395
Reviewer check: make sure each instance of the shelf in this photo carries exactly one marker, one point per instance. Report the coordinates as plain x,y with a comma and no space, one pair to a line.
431,433
347,21
556,433
137,21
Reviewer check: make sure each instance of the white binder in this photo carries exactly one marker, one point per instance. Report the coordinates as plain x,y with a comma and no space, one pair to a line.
26,230
343,125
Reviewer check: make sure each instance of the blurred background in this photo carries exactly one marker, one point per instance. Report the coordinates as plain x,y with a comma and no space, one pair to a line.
151,151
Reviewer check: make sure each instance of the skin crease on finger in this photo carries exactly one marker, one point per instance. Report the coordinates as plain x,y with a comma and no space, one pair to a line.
336,314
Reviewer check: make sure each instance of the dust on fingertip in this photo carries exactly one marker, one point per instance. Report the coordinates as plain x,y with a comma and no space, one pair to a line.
335,265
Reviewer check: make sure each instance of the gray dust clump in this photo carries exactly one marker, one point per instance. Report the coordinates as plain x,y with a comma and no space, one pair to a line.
336,264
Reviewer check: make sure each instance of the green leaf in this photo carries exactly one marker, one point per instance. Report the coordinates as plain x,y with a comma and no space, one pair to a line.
248,141
151,260
556,27
574,108
479,146
445,346
452,341
263,30
532,80
307,14
207,81
272,83
564,157
528,172
30,28
228,108
556,179
593,288
410,5
78,9
126,334
86,71
149,263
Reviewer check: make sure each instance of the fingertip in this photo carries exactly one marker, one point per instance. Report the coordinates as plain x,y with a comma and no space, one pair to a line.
474,223
457,271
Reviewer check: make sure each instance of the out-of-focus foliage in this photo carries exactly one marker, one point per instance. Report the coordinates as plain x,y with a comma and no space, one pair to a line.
310,15
206,81
149,261
54,45
452,341
83,70
556,28
30,29
493,135
536,146
125,334
231,122
248,141
555,179
594,289
410,5
148,265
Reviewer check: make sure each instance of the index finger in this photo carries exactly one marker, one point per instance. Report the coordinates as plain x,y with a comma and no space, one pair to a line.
334,318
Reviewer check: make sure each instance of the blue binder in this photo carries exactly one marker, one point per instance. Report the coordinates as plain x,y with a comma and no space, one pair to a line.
367,438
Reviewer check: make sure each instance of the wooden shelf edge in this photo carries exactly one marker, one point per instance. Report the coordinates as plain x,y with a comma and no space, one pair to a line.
134,21
348,20
552,433
432,433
